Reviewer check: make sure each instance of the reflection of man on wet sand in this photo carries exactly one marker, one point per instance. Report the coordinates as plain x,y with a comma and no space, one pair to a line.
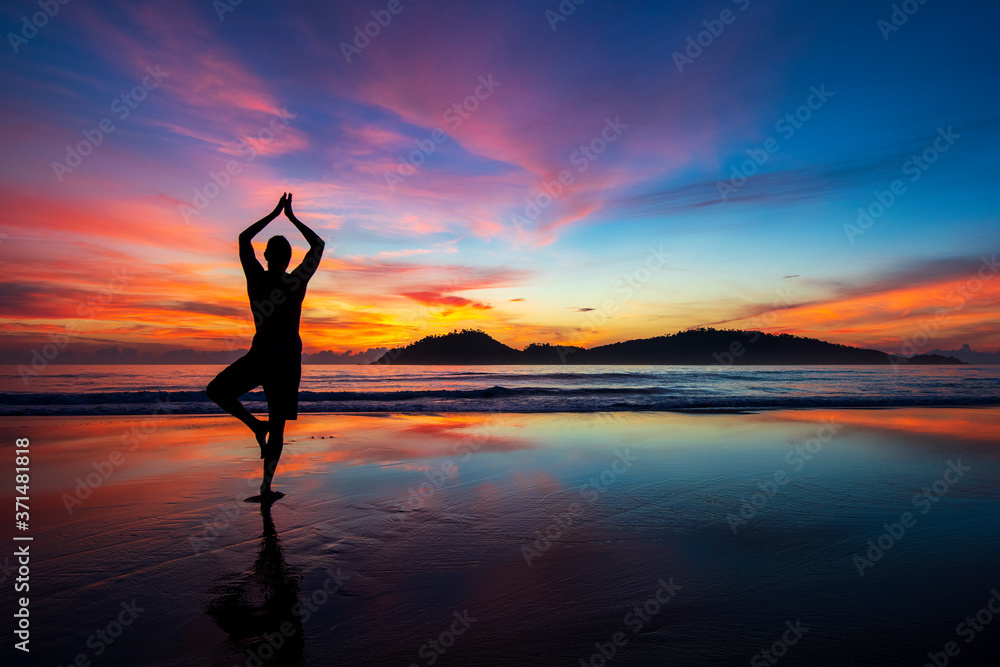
259,609
274,361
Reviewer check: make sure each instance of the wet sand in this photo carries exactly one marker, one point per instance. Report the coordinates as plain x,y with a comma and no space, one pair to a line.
515,539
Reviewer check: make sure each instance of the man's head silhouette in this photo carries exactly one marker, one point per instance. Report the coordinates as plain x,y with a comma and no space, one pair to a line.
278,253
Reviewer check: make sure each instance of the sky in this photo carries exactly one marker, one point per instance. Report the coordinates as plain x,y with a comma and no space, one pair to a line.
543,171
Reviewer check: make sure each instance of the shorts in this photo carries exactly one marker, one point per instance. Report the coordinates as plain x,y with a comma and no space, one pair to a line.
278,373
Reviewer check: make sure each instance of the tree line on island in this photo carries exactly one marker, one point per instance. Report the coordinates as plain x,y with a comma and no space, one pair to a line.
695,346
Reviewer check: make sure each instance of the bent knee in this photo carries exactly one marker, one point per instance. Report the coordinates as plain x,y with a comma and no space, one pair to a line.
215,391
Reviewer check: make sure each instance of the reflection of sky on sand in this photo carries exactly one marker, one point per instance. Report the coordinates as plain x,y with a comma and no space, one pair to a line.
431,514
973,424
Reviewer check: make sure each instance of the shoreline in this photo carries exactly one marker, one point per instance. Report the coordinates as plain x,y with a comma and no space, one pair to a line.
127,390
261,409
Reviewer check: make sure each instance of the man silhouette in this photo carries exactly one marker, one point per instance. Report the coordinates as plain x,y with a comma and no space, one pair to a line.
274,361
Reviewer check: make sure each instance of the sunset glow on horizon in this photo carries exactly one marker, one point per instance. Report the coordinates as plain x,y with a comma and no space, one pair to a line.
614,173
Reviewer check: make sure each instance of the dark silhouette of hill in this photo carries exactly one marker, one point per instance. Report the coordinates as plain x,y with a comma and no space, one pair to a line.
933,359
970,356
674,349
459,347
549,354
695,346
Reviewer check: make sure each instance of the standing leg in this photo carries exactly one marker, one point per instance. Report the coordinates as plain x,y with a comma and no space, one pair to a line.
272,452
281,386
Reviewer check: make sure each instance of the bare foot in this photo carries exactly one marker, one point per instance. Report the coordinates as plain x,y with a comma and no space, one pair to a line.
266,498
260,432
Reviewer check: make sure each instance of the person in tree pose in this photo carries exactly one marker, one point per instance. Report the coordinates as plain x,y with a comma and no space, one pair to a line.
274,361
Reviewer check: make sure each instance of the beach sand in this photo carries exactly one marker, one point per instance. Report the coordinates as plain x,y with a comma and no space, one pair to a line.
514,539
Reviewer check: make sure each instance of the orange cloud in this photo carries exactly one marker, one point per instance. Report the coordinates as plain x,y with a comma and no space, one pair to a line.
941,312
429,298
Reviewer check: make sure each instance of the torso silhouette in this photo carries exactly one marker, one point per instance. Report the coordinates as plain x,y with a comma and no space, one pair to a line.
276,304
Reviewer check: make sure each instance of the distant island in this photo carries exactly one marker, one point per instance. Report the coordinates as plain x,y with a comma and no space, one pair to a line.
970,356
696,346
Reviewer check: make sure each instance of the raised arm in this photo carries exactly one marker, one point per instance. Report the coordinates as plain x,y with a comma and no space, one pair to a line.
316,244
247,256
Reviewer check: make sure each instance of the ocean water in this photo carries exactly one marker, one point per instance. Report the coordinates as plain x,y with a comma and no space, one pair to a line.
141,389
